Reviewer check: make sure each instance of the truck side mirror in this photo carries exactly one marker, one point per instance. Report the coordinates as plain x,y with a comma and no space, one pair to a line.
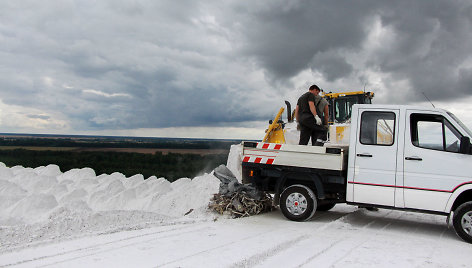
465,145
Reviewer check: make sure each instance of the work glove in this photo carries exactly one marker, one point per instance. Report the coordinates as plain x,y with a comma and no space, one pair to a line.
317,120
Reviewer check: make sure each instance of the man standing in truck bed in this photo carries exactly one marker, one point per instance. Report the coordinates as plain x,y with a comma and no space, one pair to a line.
310,110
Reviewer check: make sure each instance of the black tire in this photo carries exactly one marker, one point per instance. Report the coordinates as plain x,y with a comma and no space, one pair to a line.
325,207
298,203
462,221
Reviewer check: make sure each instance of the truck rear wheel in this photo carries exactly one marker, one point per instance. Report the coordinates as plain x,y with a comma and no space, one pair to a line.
298,203
462,221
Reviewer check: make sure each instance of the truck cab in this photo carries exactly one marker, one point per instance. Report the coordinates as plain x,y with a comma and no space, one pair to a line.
408,157
398,157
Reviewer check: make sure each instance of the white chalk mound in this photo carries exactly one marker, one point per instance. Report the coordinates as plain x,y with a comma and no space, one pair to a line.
32,195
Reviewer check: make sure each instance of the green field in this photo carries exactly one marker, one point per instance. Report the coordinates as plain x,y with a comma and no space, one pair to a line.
171,166
37,148
172,158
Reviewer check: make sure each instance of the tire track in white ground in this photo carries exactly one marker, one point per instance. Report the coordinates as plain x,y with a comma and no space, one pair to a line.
80,235
219,247
284,245
345,246
153,243
387,232
302,246
115,248
236,253
184,251
98,248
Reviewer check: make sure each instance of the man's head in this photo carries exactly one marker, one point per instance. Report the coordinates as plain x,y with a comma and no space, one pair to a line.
314,89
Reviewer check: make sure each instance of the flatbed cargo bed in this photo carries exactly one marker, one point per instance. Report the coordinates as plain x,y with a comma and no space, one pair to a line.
317,157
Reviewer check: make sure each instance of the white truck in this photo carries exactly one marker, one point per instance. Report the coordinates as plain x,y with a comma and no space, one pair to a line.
399,157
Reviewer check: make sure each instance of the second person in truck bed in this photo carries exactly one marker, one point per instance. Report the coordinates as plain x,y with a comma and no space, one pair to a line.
312,114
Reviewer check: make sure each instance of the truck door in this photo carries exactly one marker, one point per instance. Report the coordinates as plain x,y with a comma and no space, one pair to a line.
374,177
433,166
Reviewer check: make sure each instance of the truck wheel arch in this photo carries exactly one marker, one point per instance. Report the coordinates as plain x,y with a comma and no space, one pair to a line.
460,195
312,181
460,198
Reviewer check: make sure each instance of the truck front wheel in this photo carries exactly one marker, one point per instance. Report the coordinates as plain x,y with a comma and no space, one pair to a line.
298,203
462,221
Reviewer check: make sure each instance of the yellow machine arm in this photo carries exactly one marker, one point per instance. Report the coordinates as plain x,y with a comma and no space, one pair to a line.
274,127
343,94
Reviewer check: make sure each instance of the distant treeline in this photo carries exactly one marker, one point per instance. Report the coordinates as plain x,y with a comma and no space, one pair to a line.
172,166
116,142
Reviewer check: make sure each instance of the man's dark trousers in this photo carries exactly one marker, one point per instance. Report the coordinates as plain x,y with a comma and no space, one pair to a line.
306,133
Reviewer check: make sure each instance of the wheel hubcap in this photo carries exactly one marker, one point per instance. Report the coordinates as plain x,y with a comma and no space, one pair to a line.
296,203
466,223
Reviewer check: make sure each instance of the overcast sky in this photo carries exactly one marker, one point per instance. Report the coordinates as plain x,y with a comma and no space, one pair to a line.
220,69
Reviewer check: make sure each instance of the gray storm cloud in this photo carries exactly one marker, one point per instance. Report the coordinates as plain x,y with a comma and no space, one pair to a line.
148,64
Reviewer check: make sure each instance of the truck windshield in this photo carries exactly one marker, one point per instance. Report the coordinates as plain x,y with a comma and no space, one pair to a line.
343,108
469,134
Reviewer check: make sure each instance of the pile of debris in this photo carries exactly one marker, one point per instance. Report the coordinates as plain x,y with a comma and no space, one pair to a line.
236,199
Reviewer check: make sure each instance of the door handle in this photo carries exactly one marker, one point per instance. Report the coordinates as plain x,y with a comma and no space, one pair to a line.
413,158
364,155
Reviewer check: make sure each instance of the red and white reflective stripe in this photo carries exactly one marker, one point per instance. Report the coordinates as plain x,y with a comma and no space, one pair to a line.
258,160
268,146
